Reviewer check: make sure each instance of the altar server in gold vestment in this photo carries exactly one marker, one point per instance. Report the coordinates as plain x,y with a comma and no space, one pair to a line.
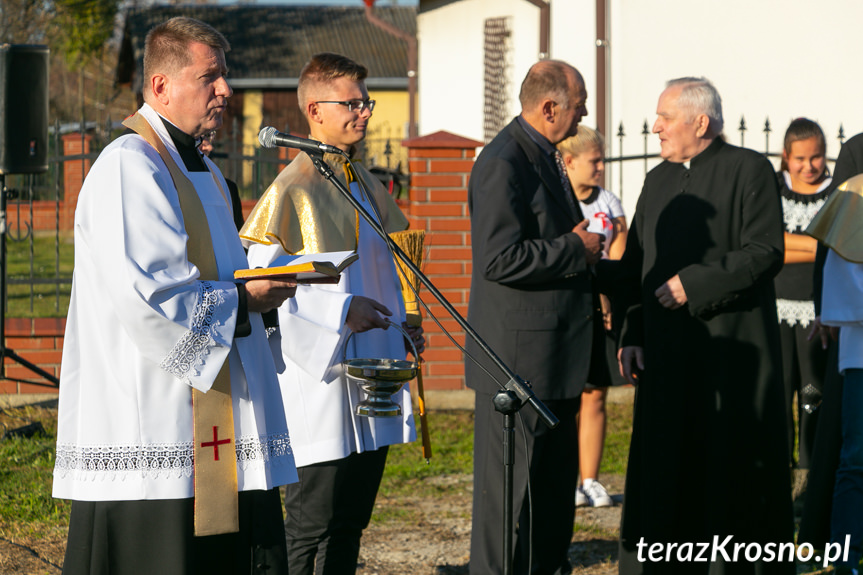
340,455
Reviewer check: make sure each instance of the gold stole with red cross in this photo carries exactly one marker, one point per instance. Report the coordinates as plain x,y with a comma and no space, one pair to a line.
215,456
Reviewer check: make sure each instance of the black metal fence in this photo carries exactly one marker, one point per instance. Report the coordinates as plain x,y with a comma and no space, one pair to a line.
253,168
615,172
36,283
31,259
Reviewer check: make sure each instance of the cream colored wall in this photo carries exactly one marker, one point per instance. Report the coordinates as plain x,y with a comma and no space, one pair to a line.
253,101
389,120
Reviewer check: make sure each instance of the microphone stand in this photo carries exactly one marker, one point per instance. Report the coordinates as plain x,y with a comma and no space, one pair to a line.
508,400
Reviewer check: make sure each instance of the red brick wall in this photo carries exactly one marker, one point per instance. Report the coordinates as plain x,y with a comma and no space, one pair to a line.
44,218
38,341
73,175
440,166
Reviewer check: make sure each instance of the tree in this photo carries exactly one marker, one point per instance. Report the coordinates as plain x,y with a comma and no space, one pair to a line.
80,32
23,21
84,27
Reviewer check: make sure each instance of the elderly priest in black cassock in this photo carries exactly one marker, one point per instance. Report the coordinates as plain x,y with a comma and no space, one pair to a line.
708,469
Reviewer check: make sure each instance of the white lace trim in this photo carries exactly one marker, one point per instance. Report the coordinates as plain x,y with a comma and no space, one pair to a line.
158,461
188,354
797,215
253,450
109,462
793,312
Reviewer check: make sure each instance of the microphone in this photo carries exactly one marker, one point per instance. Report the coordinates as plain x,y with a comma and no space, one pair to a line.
269,137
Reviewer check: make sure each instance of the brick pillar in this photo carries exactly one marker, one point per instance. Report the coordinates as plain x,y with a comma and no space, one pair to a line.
74,172
39,341
440,166
288,154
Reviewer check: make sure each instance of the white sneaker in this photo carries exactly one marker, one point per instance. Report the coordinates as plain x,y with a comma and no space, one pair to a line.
596,494
580,497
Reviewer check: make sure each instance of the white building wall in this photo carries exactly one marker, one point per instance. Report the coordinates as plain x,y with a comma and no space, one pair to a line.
573,40
776,59
450,38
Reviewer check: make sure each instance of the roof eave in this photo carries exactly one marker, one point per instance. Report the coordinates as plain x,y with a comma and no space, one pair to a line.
291,83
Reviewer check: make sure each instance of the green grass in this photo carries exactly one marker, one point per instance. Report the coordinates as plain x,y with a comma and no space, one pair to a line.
449,471
452,449
26,465
593,530
448,474
410,491
617,434
39,300
451,435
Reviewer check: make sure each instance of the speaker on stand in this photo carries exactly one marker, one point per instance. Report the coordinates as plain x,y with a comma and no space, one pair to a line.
23,149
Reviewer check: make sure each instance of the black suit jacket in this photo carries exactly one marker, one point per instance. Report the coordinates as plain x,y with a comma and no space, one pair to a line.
531,296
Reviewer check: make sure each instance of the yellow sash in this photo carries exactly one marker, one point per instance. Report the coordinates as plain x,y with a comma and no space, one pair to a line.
215,459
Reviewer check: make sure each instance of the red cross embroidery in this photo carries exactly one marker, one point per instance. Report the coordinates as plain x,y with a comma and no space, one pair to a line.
216,442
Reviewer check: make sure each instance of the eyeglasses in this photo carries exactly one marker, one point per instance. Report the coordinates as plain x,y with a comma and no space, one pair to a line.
352,105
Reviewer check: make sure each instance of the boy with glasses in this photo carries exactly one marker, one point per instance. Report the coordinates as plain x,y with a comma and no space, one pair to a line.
340,456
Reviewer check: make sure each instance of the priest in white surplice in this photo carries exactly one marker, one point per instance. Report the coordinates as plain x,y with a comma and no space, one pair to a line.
340,456
172,438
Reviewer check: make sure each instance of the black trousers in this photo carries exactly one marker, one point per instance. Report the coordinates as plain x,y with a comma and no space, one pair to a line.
818,506
149,537
803,366
550,458
327,510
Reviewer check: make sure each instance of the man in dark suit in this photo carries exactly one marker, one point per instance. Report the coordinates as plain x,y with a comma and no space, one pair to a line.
532,301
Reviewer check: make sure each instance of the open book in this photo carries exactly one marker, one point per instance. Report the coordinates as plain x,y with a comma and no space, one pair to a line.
310,268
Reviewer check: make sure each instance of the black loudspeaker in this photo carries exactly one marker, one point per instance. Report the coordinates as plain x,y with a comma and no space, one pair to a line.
23,109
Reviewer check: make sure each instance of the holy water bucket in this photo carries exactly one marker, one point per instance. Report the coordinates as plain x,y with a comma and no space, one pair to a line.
380,379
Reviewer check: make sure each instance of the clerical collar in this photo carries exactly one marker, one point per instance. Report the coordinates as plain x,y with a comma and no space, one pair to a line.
186,146
704,155
537,138
708,152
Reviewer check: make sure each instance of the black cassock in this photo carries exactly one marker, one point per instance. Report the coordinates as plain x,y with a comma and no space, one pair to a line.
708,456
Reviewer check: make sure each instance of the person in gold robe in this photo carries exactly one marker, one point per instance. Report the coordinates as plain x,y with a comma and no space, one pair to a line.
340,456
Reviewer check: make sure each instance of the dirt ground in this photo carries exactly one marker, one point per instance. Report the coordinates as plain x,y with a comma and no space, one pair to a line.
437,545
434,541
440,545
